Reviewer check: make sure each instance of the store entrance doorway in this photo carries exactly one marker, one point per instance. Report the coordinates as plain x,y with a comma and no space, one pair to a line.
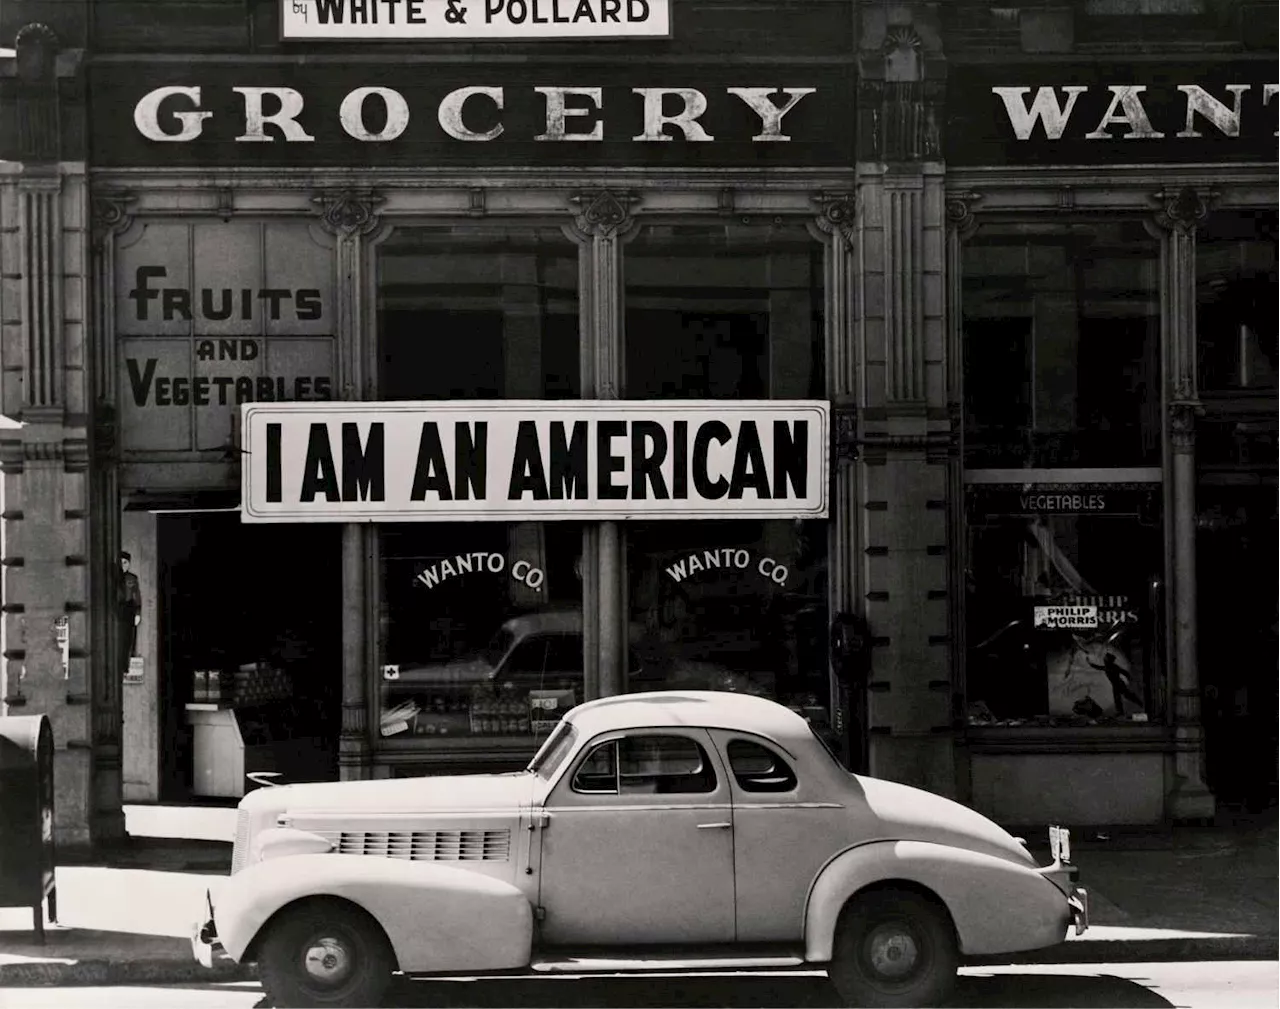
250,653
1236,630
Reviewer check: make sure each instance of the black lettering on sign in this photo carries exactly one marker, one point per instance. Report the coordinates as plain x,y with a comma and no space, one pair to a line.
714,430
470,459
150,389
430,473
319,475
364,469
527,473
680,460
748,464
273,463
648,452
219,304
235,349
790,458
569,462
607,463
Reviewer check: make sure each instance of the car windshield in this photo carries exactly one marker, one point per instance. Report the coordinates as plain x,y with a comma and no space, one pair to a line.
552,752
498,647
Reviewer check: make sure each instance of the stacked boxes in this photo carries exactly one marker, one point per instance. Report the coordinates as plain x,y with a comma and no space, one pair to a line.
253,683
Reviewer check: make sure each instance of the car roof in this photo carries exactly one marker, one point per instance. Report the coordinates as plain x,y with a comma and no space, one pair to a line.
562,621
708,709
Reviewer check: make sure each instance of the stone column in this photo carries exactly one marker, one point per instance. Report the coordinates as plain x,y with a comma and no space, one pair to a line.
1178,214
602,221
961,225
351,218
43,320
835,226
905,429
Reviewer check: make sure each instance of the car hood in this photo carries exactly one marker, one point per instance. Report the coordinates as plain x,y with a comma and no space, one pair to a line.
440,793
906,813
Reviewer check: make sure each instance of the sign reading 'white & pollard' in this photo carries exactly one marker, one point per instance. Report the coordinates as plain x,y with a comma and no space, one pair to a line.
346,20
531,460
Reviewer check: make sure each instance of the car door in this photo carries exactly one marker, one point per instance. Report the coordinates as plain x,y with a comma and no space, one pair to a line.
783,833
638,845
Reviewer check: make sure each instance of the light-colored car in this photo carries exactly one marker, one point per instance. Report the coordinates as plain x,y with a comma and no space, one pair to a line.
669,830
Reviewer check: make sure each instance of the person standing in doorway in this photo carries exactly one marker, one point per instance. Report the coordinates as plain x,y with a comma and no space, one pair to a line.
129,610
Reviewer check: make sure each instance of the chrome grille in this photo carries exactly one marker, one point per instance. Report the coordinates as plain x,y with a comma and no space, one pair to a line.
424,845
240,851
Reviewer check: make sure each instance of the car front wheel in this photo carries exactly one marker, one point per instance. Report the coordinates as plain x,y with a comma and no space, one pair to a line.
324,953
894,948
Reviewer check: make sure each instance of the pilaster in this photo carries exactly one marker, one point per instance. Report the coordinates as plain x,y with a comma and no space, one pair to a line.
43,274
602,222
1178,214
906,432
350,219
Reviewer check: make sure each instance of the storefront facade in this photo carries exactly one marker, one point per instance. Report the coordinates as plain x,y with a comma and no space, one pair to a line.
777,221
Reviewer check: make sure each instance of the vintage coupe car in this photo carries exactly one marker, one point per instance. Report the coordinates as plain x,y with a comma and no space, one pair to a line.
683,829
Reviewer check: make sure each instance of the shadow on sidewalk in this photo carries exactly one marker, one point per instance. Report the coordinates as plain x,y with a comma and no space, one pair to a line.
807,992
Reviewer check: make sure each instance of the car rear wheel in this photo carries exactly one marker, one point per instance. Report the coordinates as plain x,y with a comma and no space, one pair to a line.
893,948
325,953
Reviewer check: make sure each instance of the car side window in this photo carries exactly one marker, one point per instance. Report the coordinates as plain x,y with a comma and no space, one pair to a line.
646,765
756,768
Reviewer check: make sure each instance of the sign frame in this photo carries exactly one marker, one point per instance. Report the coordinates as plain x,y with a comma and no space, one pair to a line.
288,7
255,452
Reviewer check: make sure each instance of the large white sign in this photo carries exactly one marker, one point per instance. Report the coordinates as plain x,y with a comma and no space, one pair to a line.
526,460
345,20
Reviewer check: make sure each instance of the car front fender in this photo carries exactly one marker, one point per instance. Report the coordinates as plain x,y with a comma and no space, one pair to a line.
997,906
437,917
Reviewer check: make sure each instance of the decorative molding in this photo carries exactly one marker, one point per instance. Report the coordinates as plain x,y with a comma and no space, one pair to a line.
1182,423
901,39
226,203
603,213
349,213
110,214
355,719
844,431
476,198
904,209
1182,210
39,134
960,211
837,214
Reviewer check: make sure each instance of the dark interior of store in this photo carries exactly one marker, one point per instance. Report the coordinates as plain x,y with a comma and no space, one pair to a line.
236,595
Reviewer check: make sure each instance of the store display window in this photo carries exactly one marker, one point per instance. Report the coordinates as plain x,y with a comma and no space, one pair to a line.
1236,323
1061,330
480,624
1065,609
727,311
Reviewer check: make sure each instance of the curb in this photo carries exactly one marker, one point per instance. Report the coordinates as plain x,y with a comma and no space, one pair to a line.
105,973
1244,947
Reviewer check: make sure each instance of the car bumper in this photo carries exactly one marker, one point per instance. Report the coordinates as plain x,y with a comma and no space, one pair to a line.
1078,902
205,947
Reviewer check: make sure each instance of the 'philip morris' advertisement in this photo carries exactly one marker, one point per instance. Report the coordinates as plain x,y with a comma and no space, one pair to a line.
210,316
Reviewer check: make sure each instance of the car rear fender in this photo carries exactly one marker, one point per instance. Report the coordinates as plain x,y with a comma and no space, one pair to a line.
997,906
437,917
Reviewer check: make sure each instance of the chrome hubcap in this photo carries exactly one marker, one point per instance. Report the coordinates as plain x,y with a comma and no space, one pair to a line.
327,960
893,951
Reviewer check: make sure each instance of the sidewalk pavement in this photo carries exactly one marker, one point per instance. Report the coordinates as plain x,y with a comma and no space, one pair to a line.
1203,893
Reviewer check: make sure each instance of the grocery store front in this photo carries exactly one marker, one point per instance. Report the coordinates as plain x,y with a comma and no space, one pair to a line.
408,592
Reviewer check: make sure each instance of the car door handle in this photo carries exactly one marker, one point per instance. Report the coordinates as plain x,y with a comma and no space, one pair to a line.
718,825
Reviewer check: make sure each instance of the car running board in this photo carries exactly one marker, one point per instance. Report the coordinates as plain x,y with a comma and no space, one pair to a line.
675,962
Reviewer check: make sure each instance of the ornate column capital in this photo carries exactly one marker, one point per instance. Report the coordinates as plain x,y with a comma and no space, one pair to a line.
603,213
1182,210
349,213
110,214
1183,411
959,210
837,214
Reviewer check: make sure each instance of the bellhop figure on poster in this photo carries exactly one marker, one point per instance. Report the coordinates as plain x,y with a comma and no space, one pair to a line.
129,611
